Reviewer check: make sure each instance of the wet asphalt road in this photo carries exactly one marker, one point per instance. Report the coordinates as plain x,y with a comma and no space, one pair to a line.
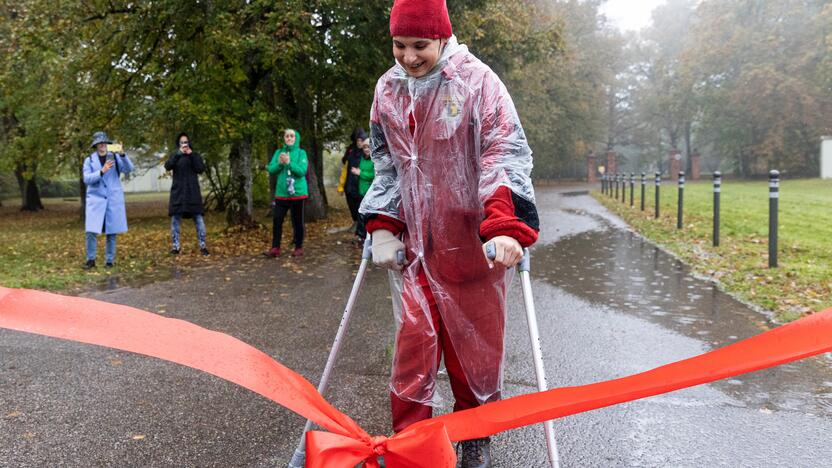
609,305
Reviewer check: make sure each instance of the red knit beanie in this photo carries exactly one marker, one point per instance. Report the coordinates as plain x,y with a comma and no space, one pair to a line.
420,18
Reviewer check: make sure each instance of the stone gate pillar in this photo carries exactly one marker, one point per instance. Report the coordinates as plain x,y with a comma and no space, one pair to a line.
695,165
674,163
591,168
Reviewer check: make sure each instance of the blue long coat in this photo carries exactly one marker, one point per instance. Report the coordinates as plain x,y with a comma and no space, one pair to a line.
105,195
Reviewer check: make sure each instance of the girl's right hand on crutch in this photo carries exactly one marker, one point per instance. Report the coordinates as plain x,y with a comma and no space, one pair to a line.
386,248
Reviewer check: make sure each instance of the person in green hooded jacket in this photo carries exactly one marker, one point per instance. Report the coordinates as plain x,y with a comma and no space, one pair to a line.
289,163
367,173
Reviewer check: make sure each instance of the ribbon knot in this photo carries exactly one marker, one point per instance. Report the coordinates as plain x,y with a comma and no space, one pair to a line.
379,444
422,444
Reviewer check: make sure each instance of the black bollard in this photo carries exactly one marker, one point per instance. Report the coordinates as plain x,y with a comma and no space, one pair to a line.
717,190
658,186
680,205
643,184
603,184
617,179
623,187
773,201
632,187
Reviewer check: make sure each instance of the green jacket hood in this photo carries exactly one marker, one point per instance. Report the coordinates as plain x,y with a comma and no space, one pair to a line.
297,141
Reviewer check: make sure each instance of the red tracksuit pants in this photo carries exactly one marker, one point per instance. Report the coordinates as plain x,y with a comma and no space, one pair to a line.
409,339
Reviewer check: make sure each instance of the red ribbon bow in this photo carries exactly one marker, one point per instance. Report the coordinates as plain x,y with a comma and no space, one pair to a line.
424,444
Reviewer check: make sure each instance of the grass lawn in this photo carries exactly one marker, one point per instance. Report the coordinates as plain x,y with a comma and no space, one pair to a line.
801,284
45,250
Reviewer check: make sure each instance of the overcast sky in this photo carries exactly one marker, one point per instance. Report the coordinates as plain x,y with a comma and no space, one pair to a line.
629,14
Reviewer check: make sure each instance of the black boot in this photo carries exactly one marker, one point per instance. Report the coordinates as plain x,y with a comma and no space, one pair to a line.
476,453
89,265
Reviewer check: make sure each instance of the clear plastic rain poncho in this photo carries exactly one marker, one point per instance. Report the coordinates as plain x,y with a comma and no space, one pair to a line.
467,141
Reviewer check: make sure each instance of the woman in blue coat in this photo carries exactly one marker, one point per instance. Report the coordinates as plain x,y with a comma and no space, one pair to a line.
105,212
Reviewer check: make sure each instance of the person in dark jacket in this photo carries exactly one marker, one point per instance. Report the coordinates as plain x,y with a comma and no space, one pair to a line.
185,196
350,173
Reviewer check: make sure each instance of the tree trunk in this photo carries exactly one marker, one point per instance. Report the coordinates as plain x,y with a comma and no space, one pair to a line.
745,165
688,149
315,207
32,200
240,201
218,190
271,147
29,193
82,189
318,150
21,181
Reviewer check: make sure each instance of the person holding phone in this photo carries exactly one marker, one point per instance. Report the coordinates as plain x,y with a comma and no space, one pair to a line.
105,211
185,195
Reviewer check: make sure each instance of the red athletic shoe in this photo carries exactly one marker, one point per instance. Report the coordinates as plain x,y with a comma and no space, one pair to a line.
298,252
272,253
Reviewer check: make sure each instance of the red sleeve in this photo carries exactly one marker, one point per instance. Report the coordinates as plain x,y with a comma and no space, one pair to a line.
385,222
505,218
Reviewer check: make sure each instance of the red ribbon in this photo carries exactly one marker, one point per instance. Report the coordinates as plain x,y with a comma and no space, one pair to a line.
427,443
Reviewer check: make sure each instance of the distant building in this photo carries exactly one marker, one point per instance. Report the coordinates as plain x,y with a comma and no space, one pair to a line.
154,179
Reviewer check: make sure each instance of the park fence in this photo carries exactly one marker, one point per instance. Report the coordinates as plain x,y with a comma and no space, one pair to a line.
615,186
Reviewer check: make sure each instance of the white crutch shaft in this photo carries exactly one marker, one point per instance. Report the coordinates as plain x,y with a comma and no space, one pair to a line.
299,457
534,335
537,355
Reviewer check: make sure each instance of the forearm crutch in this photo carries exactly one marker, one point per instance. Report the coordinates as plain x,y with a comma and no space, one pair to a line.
531,318
299,457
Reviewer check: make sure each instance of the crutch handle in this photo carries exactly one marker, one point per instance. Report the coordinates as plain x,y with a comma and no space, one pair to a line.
491,250
491,253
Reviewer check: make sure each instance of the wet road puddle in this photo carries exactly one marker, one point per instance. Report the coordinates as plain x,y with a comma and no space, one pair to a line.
620,270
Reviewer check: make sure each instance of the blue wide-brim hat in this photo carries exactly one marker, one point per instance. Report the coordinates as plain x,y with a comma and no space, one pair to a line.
100,137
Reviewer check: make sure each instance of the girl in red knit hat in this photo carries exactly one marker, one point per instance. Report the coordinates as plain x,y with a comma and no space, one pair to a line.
452,173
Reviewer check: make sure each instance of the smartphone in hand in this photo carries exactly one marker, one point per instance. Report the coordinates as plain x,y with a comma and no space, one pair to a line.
115,148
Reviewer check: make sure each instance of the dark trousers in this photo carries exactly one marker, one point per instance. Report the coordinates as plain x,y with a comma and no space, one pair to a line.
280,210
360,226
353,202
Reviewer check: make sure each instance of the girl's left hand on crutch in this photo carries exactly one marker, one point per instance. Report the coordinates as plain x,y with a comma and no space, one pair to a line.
507,252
